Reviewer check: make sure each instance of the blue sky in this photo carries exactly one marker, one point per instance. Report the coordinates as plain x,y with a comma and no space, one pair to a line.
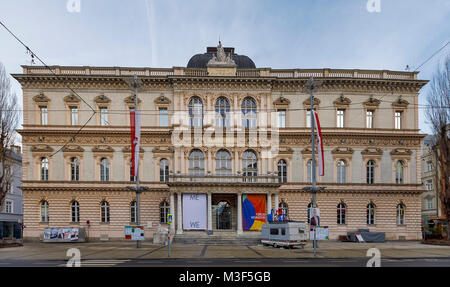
277,34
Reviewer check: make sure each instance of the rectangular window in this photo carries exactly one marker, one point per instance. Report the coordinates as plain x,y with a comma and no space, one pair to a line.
429,165
398,120
429,185
44,116
308,118
281,118
74,116
274,231
430,204
104,117
369,119
340,118
163,117
283,231
8,206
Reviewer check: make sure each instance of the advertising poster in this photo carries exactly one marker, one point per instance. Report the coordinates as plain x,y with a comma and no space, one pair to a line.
253,211
194,211
61,233
133,232
322,233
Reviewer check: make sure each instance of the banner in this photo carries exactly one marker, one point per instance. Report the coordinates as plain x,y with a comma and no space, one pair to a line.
319,145
135,123
194,211
61,233
254,211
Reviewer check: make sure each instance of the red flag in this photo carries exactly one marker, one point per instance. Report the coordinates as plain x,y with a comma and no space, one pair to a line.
320,145
135,122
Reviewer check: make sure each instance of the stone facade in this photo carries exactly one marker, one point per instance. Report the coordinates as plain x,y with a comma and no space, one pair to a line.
391,96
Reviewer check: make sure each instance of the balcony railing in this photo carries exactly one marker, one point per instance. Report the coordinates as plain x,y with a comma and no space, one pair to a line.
209,178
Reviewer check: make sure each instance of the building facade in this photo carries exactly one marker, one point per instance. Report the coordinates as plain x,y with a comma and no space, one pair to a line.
11,213
223,143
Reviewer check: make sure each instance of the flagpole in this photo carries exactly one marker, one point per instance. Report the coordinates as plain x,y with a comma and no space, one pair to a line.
313,154
138,190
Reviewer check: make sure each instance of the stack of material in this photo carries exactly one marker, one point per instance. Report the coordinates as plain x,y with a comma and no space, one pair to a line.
367,236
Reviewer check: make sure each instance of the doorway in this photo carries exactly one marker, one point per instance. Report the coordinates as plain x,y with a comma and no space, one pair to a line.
224,215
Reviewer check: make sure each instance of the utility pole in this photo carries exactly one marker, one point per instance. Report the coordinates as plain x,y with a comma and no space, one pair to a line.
138,188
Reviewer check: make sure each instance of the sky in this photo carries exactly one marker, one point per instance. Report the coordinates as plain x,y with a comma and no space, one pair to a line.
277,34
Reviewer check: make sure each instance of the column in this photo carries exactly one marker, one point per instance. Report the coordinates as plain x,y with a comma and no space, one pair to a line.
276,201
239,213
209,212
183,162
172,211
236,162
269,203
179,216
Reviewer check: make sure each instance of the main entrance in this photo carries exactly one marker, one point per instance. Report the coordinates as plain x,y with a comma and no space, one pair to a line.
224,210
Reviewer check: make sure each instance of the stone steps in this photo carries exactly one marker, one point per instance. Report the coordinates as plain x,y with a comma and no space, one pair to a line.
218,238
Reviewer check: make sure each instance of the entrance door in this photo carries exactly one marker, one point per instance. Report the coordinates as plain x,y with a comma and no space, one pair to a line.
224,215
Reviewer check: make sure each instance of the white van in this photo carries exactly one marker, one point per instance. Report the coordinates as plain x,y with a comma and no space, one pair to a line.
284,234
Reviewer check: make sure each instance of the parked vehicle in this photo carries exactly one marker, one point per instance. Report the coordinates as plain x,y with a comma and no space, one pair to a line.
284,234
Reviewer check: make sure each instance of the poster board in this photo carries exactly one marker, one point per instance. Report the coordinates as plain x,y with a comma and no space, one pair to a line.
254,212
194,211
133,232
322,233
64,234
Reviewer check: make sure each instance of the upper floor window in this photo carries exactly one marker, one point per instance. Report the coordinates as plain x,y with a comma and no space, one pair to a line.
163,117
44,116
399,172
164,170
370,212
400,214
369,119
281,118
74,116
430,203
8,206
223,162
308,118
429,184
309,171
196,112
341,213
74,169
429,166
104,169
104,209
398,120
196,162
222,108
370,172
44,211
44,168
164,210
133,211
248,113
104,116
282,171
75,211
340,118
341,171
131,171
249,164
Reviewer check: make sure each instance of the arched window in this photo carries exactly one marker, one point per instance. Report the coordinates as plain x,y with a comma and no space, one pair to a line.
370,172
196,112
282,171
164,210
44,211
248,113
196,162
309,171
104,169
44,168
284,207
399,172
74,169
370,214
164,170
223,162
104,206
341,213
222,112
400,214
341,171
249,165
75,211
133,218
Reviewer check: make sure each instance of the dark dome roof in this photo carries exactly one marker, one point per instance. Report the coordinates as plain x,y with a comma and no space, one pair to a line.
200,61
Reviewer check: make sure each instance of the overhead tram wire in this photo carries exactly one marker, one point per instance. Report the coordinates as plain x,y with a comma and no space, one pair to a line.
33,54
434,54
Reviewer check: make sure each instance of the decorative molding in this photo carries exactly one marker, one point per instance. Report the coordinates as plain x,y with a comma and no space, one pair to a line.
342,101
342,150
281,102
130,100
102,99
102,148
162,101
307,102
127,149
401,151
372,151
73,148
41,98
372,103
72,99
400,103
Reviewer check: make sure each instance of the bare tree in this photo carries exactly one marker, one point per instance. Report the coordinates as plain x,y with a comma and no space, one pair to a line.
438,115
9,115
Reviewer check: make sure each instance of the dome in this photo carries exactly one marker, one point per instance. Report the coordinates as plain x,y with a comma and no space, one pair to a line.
200,61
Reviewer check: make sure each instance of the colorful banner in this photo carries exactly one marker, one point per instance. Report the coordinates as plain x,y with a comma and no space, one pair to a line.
61,233
194,211
254,211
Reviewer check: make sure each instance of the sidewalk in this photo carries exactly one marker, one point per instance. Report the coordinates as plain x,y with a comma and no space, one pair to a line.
127,250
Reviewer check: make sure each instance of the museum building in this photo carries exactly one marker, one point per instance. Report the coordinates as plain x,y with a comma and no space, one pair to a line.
222,144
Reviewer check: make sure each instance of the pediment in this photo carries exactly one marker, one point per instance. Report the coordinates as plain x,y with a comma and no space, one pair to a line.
162,100
71,99
102,99
41,148
73,148
401,151
342,101
372,151
102,148
342,150
41,98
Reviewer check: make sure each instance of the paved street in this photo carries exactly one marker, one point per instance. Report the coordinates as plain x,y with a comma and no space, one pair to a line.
125,254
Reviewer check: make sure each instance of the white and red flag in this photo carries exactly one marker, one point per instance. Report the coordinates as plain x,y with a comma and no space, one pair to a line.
135,122
319,145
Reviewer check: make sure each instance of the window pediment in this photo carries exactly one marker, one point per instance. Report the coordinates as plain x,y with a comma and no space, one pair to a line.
41,148
281,102
71,99
73,148
400,103
342,101
307,102
102,148
41,98
401,151
102,99
127,149
372,151
342,150
372,103
130,100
